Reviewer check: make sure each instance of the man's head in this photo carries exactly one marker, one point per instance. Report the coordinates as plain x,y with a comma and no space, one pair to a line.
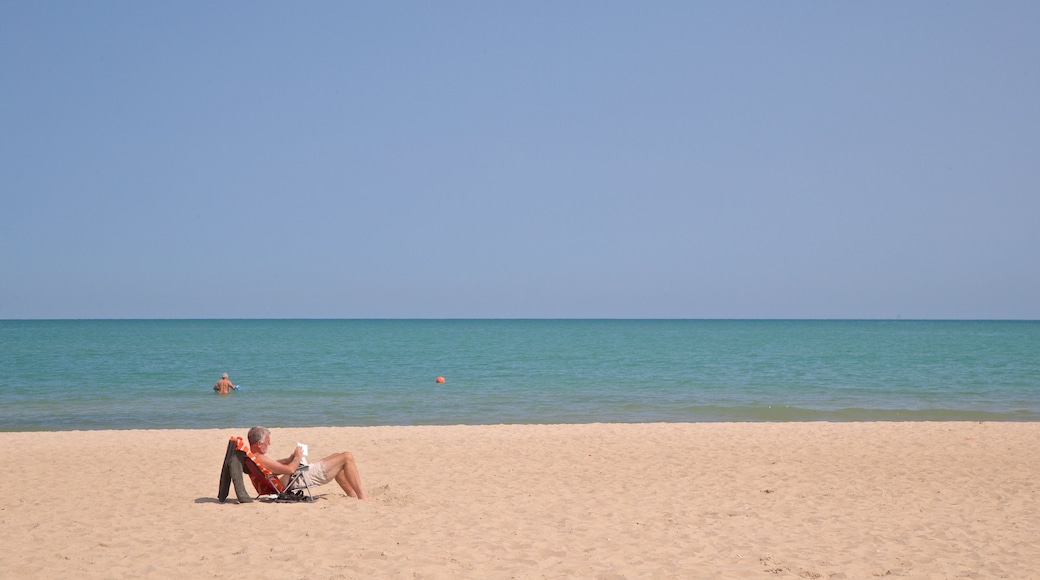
258,434
225,376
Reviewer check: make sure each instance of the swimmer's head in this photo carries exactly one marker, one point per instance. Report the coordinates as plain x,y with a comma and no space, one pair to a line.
225,375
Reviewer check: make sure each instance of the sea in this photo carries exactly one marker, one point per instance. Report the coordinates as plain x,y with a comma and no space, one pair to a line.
59,375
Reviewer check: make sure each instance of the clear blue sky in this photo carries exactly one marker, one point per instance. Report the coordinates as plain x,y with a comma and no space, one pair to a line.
548,159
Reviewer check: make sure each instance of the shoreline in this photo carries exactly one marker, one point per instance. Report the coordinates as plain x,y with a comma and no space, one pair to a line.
725,500
754,416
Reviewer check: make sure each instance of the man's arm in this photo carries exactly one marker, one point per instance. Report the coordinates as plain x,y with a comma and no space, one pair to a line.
281,466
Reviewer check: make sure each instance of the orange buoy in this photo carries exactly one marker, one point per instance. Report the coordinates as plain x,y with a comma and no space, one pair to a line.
440,379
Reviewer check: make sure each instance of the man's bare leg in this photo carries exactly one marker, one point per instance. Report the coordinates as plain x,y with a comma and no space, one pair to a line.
342,467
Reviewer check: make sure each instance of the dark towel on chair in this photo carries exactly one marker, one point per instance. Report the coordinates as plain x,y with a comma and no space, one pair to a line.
232,472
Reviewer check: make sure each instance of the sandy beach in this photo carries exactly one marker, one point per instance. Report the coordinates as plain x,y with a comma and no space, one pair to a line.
713,500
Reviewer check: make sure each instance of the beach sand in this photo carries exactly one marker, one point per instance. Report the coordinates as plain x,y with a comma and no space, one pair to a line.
712,500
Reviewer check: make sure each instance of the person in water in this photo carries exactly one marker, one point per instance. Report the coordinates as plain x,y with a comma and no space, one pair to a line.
224,386
338,466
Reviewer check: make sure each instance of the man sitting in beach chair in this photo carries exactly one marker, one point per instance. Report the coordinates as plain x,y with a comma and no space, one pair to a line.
338,466
240,460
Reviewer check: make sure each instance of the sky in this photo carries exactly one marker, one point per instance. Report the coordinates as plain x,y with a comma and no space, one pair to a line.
750,159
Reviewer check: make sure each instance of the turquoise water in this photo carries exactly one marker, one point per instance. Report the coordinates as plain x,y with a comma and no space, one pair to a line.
119,374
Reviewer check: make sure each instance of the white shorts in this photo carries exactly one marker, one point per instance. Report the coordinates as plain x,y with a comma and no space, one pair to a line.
314,475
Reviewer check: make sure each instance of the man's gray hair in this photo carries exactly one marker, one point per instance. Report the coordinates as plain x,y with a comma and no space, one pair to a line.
257,434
